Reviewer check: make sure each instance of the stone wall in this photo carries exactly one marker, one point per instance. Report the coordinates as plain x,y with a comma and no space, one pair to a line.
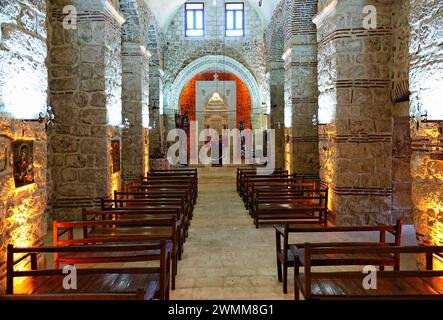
426,80
23,92
249,50
85,93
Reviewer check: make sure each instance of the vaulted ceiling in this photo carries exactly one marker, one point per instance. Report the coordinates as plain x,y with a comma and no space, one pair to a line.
164,10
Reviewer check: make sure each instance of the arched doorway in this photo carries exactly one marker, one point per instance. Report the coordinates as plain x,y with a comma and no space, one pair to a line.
216,100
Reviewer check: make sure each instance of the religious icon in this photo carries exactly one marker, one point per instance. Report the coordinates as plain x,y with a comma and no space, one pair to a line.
23,154
115,146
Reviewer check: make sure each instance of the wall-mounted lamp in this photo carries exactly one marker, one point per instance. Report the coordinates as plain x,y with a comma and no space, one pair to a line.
315,120
420,118
125,124
48,117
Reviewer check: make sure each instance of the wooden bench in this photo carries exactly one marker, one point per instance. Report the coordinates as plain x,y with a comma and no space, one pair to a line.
245,174
291,203
170,183
92,283
162,192
145,200
140,213
269,187
391,285
286,259
175,175
119,231
245,177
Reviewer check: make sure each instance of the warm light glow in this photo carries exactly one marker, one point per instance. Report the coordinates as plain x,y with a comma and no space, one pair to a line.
288,157
216,99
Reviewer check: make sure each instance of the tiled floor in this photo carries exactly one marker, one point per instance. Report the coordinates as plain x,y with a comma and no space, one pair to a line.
226,257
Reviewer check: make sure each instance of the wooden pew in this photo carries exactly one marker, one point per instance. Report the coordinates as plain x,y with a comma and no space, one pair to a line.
119,231
391,285
147,191
286,259
245,178
274,182
191,175
140,213
290,203
92,283
145,200
170,183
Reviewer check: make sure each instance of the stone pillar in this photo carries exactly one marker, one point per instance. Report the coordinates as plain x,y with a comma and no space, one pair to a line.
426,81
85,92
156,140
301,94
355,111
277,86
135,96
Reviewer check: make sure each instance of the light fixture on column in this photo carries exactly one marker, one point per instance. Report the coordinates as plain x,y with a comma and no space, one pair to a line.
315,120
260,2
48,117
124,125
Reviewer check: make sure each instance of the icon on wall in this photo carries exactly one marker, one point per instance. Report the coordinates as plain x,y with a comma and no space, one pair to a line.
23,155
115,146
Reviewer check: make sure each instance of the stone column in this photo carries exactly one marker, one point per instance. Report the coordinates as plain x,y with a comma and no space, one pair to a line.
426,81
277,85
301,94
156,141
355,111
85,92
135,96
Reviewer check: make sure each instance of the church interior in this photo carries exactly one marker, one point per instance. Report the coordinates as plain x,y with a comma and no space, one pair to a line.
333,119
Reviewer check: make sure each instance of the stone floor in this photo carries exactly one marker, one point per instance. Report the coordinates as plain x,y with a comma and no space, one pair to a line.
226,257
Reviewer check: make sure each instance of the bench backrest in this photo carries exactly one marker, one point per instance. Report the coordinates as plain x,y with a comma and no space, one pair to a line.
310,252
97,250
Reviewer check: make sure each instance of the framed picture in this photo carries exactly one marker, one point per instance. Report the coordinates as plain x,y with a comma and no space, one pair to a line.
115,156
23,156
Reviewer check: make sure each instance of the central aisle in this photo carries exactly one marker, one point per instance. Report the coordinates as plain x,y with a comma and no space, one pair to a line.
225,256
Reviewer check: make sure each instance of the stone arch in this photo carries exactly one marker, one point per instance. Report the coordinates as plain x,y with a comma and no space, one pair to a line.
212,63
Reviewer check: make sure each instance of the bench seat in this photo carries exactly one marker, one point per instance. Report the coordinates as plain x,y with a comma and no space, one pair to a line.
350,286
111,283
